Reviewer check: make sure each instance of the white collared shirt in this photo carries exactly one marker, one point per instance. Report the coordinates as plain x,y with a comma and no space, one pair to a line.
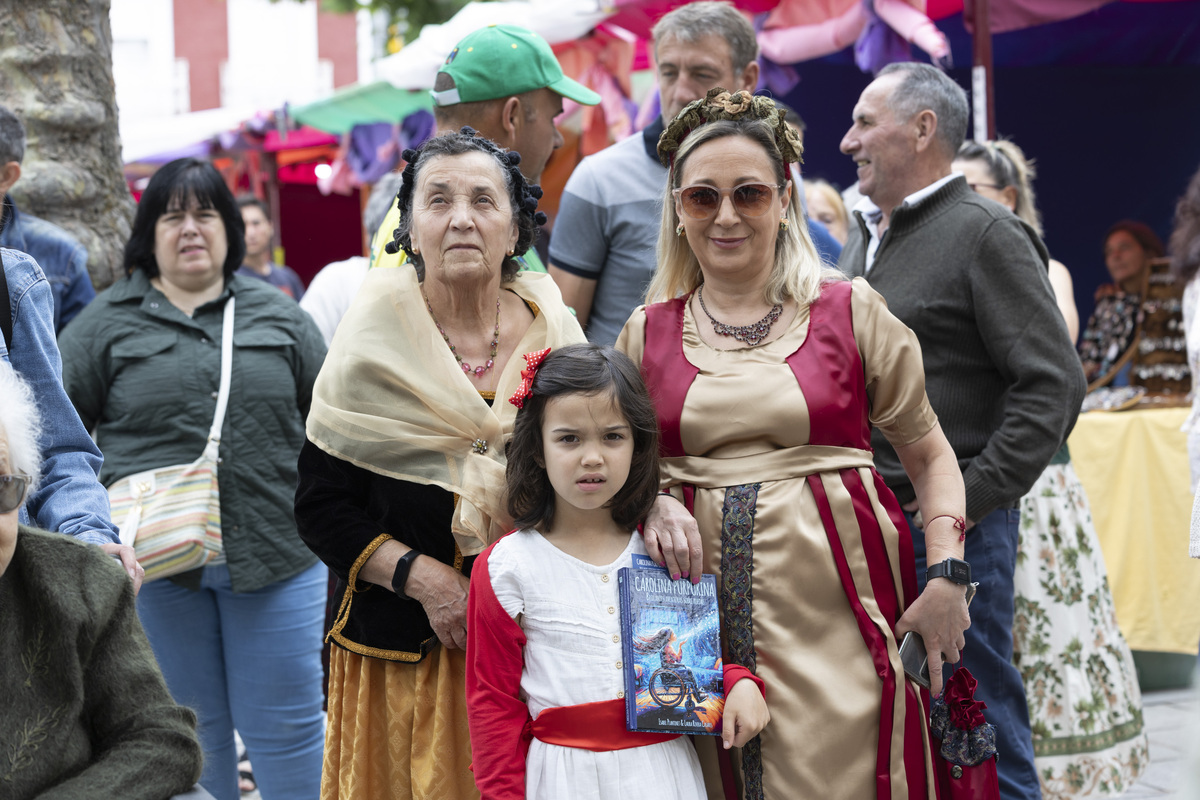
873,214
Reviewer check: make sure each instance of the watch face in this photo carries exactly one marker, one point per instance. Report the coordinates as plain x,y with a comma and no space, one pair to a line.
960,571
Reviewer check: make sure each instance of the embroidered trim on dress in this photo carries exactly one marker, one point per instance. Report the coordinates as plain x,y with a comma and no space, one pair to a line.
343,615
737,601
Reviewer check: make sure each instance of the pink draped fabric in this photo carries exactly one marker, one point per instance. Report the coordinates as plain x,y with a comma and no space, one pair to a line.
795,32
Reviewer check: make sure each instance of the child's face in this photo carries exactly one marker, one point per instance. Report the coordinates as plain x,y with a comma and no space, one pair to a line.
588,447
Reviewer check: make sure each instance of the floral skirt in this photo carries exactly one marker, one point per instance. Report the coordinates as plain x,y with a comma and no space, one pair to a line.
1084,701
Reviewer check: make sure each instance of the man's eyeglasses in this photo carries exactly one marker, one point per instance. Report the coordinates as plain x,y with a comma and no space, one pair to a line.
749,199
12,491
975,187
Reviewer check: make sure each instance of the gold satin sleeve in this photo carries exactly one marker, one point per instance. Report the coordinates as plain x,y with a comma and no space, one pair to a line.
632,341
895,373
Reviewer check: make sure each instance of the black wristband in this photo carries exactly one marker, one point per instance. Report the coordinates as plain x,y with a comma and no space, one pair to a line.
400,576
954,570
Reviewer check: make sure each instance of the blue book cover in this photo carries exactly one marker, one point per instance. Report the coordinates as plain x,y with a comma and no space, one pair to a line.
671,636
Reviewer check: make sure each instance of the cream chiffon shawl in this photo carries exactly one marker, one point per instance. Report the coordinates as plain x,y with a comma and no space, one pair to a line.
391,399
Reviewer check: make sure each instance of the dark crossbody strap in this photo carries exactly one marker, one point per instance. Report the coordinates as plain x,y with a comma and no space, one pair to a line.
6,317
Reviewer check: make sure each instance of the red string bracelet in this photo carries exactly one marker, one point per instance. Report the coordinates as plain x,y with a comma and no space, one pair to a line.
960,524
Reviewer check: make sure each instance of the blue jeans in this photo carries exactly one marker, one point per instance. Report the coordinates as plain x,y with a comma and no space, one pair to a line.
991,550
250,661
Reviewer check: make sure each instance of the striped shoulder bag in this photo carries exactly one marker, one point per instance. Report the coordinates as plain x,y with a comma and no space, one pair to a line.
172,515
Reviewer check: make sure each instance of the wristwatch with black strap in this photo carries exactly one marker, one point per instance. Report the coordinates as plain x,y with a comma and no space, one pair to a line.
400,576
954,570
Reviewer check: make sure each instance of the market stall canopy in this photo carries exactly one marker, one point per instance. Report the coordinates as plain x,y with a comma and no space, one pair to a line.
556,21
167,138
360,105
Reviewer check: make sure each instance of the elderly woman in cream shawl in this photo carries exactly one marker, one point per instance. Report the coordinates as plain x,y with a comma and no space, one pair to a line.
402,479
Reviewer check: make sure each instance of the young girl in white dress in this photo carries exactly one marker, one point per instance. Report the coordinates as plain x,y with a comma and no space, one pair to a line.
545,679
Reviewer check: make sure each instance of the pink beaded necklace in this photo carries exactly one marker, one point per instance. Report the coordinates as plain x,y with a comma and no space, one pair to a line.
476,372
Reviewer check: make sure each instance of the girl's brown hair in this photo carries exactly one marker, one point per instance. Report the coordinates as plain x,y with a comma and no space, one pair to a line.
588,369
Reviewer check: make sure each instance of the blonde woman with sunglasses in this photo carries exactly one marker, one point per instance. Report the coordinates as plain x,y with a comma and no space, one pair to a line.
768,373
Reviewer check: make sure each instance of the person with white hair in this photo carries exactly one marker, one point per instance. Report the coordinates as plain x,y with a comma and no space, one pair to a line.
86,712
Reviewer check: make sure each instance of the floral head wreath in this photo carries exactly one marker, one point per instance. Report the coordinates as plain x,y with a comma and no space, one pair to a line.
524,193
719,105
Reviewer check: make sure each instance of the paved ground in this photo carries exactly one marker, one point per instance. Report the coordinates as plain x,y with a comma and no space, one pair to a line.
1173,722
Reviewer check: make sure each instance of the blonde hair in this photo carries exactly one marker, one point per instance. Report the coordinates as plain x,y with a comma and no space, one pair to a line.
797,272
832,196
1008,165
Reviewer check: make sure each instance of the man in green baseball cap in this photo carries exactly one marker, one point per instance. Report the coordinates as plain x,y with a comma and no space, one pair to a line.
505,82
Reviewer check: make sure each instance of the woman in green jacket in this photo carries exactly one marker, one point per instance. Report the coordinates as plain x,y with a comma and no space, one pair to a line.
239,639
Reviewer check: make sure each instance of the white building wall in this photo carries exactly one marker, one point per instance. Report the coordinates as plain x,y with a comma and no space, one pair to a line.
273,55
149,81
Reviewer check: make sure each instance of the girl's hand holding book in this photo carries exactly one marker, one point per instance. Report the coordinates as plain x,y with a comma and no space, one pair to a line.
745,714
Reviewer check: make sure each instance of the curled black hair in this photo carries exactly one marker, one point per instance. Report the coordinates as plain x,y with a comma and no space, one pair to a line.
583,369
522,195
174,187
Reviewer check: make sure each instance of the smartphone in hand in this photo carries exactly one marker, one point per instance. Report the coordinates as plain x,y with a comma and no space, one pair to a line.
912,649
914,658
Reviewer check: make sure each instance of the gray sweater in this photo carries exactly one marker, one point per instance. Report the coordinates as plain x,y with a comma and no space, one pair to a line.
970,279
85,711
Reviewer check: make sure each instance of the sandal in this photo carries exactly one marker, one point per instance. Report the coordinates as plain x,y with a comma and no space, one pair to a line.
246,783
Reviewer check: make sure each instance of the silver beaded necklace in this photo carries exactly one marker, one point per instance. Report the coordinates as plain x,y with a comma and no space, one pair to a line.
751,334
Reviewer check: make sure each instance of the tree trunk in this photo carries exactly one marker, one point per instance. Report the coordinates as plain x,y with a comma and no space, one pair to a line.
56,74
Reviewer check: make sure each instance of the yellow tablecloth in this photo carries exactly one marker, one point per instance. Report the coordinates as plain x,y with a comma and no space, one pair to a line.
1134,467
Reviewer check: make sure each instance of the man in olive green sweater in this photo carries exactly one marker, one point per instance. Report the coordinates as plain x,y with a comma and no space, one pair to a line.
970,279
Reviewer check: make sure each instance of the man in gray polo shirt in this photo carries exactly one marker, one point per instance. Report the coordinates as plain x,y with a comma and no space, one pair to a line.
602,254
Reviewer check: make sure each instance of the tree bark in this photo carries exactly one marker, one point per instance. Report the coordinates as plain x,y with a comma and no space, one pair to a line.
56,75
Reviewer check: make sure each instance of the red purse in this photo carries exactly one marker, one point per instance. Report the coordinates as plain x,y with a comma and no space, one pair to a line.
964,759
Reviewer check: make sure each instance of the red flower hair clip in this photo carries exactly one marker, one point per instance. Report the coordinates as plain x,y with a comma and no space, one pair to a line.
525,390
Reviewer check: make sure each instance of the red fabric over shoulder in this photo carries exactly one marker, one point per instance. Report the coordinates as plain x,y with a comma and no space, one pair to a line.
666,370
498,719
829,370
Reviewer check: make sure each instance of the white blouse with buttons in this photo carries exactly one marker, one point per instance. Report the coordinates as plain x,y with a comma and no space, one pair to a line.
569,610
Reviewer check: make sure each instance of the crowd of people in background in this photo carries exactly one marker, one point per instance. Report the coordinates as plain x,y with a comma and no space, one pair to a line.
840,404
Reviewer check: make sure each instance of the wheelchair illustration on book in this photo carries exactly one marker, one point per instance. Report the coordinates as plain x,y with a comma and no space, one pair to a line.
673,682
670,687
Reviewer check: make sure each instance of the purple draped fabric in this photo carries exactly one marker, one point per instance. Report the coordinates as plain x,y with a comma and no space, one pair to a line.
878,45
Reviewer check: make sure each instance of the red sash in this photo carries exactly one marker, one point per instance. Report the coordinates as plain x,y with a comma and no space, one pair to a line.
592,726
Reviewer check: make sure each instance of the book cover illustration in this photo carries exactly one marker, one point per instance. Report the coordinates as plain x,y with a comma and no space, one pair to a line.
670,634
